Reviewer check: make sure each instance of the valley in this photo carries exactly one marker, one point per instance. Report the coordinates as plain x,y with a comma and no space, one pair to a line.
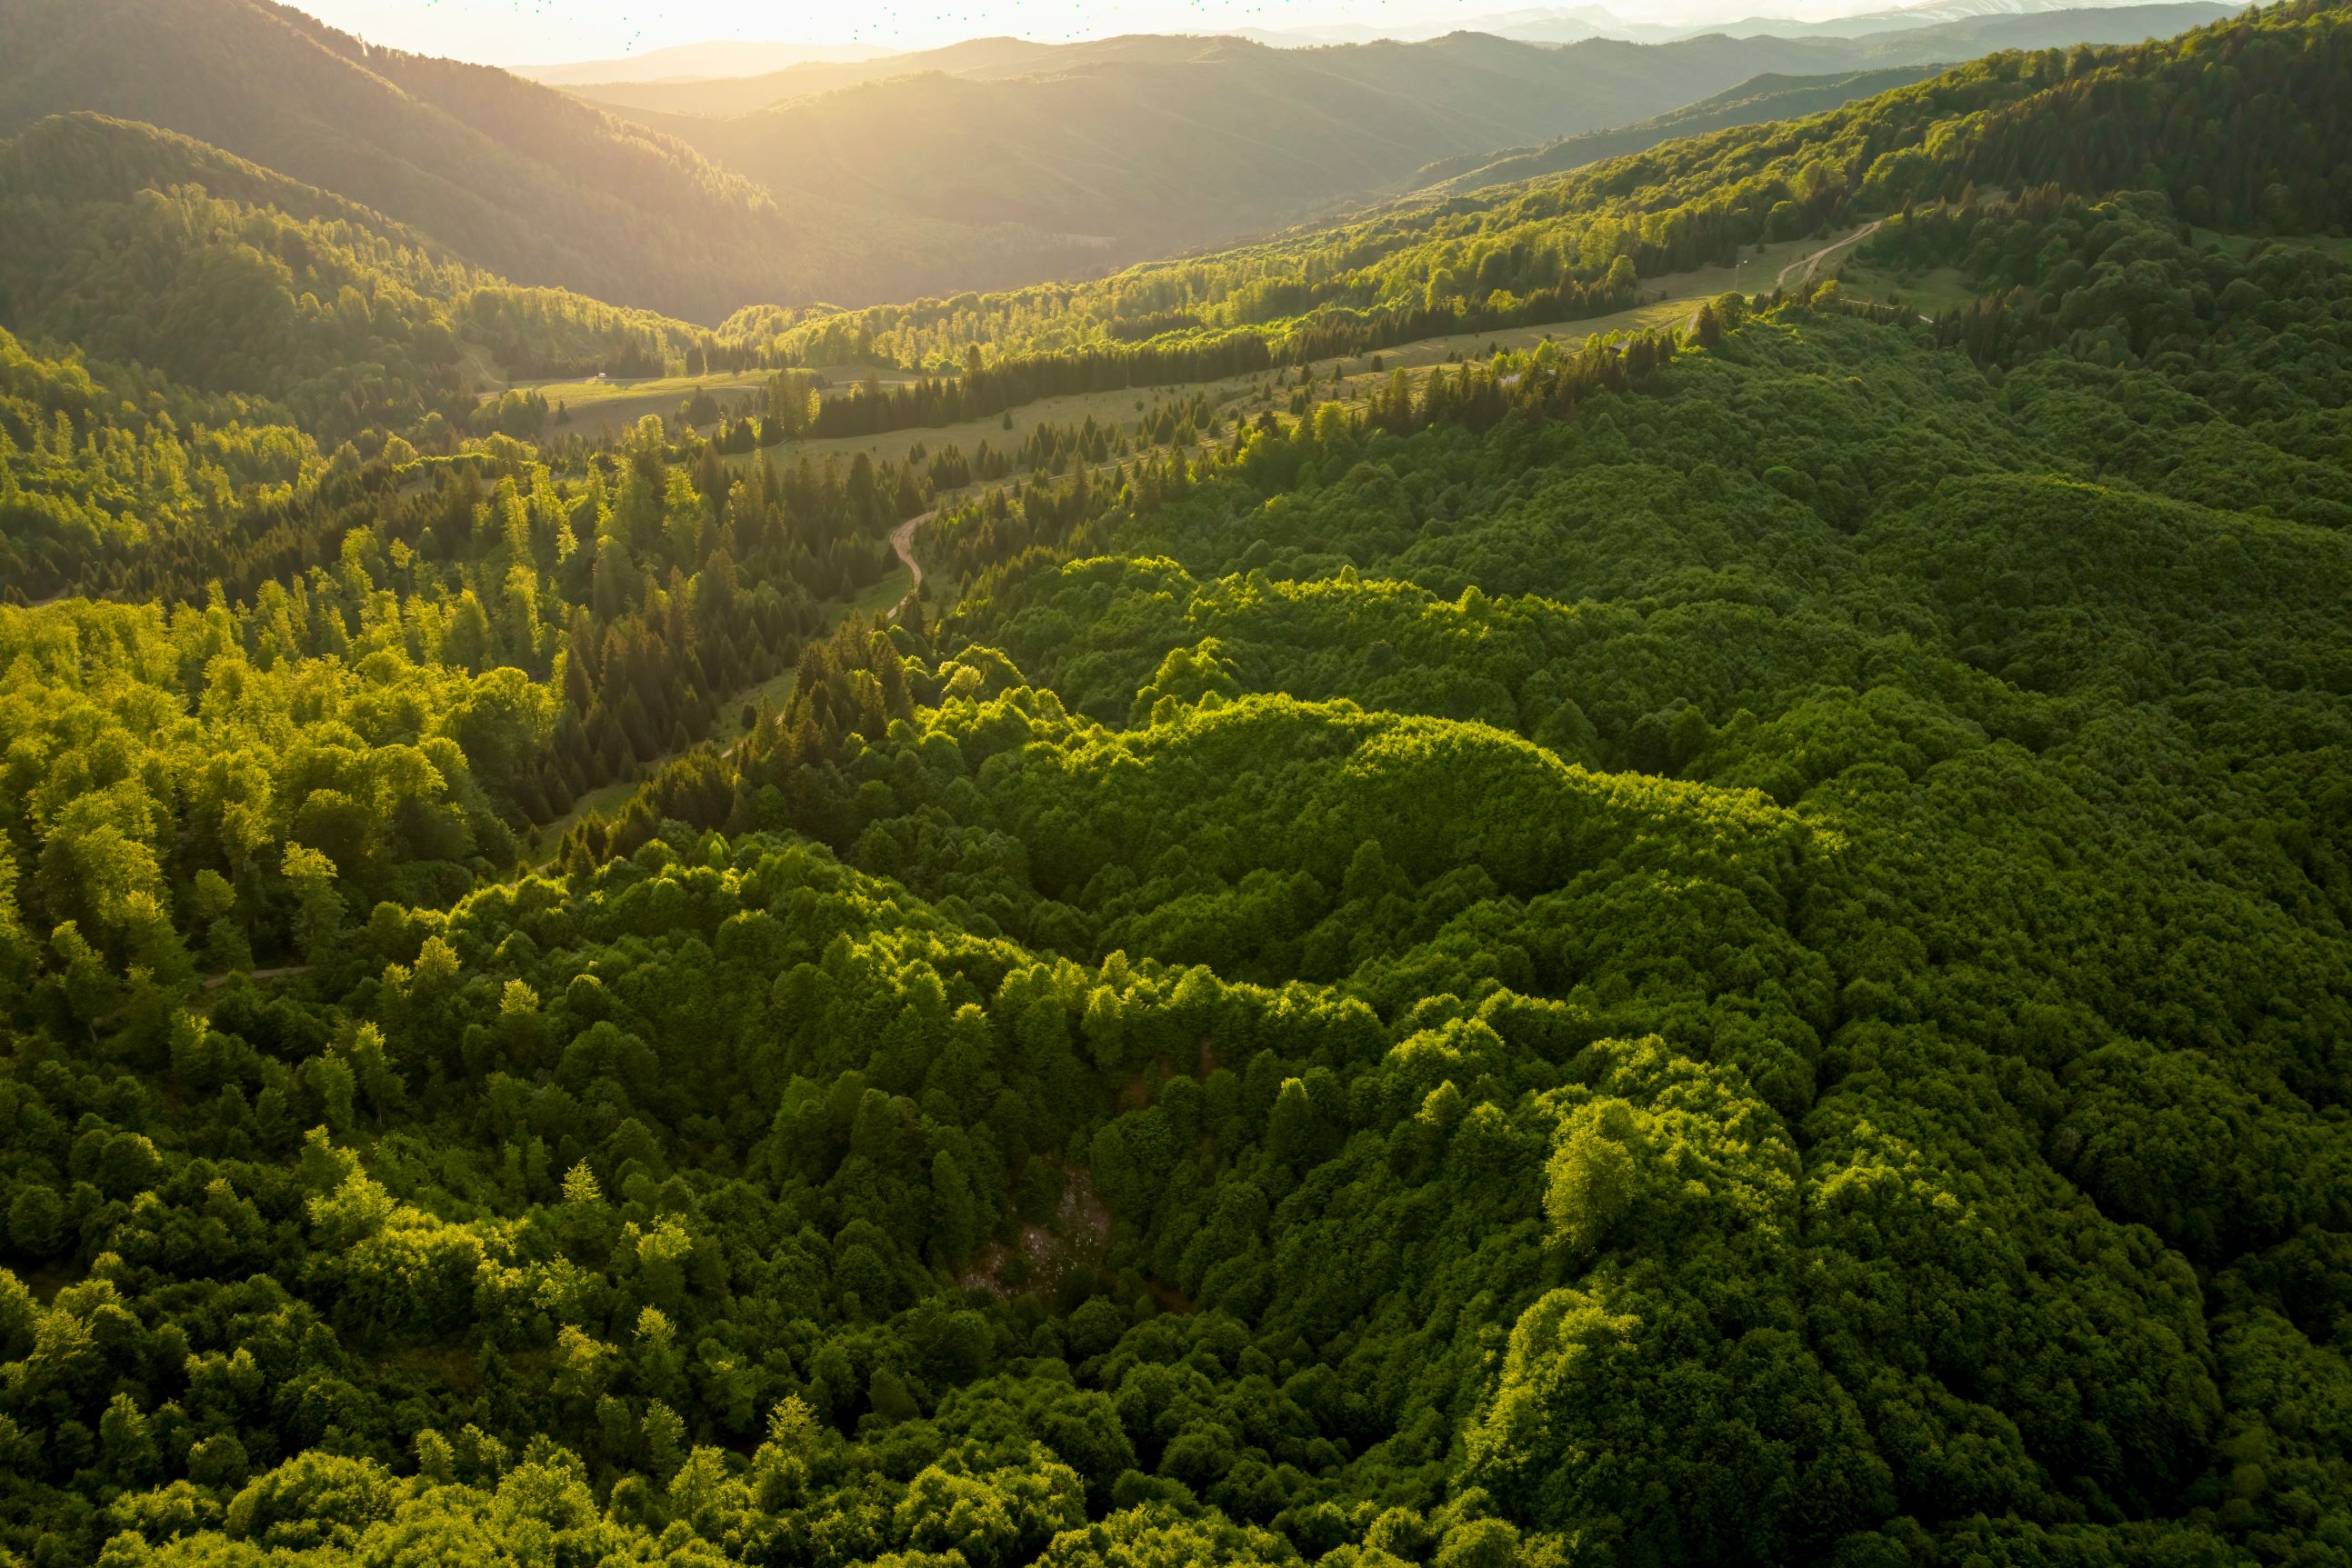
1512,799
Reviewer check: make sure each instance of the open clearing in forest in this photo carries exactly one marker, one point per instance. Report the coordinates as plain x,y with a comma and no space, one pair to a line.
1943,288
1669,297
607,405
1803,269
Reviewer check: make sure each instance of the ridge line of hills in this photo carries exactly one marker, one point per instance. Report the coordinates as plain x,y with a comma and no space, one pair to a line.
1436,939
885,193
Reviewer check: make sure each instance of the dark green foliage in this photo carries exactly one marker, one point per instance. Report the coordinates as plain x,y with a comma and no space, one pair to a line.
1729,947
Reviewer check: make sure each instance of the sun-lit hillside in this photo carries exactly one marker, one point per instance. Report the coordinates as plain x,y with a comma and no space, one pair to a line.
1649,869
524,180
1156,144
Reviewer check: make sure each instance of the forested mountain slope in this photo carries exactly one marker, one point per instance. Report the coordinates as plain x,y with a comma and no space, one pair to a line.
518,178
1160,143
144,247
1575,245
1756,100
1034,162
1730,945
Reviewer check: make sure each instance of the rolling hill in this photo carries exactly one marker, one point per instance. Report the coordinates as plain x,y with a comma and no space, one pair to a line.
1759,98
699,62
983,59
143,246
518,178
1723,945
1153,144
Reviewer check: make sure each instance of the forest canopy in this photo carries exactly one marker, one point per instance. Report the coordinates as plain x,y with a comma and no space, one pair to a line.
1728,942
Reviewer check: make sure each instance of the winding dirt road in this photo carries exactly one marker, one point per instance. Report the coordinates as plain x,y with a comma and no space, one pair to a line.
1811,263
214,982
902,541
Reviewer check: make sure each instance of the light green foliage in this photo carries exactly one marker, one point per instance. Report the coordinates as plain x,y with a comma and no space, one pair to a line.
143,748
1734,951
1588,1181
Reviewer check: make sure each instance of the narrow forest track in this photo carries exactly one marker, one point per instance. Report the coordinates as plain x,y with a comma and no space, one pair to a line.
902,541
206,983
214,982
552,834
1811,263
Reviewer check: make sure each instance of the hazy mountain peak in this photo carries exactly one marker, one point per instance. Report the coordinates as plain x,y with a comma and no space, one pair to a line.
702,61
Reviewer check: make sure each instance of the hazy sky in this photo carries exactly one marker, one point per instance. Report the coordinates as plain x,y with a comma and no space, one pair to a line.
515,32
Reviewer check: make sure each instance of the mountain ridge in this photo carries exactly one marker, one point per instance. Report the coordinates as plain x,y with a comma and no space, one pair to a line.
527,181
1156,144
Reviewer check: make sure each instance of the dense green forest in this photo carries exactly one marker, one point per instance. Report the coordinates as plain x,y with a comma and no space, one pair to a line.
1730,943
137,244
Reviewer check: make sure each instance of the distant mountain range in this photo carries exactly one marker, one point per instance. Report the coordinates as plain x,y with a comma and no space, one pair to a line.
991,163
1929,14
975,59
521,179
1575,24
1151,144
1936,32
737,58
1752,102
700,62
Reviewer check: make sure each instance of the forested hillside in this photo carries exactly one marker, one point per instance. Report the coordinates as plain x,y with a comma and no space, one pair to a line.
1025,162
1575,244
1162,144
1753,101
141,246
1723,942
521,179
